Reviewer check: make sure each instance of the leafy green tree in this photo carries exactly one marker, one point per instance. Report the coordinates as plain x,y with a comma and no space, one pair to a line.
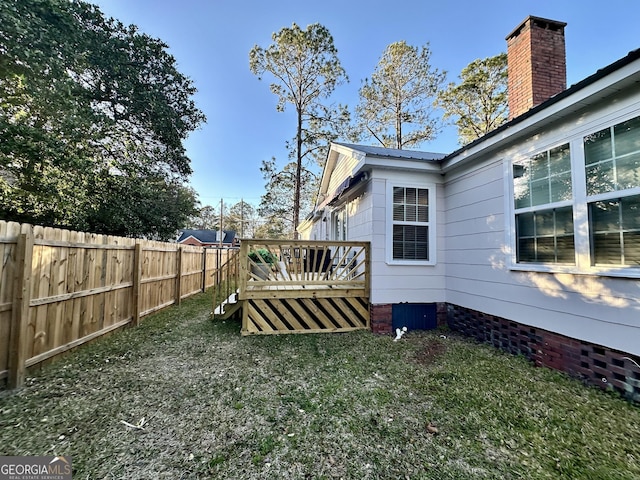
43,121
396,104
479,102
306,71
88,104
162,207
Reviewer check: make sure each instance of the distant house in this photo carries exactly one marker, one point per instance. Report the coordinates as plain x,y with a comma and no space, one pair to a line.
529,237
208,238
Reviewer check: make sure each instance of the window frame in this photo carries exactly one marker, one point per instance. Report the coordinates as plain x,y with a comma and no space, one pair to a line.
538,239
544,207
340,224
430,224
619,232
583,243
615,194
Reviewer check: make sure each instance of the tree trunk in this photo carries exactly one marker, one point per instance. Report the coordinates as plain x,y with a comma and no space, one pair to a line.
296,196
399,125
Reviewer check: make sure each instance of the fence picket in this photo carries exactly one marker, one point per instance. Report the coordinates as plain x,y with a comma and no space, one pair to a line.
179,276
9,233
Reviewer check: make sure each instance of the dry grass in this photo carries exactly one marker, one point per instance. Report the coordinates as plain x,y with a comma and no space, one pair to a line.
212,404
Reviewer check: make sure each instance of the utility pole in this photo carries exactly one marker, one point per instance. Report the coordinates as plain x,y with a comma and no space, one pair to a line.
221,230
242,218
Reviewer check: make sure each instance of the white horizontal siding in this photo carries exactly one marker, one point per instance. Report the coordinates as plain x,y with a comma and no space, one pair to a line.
592,308
395,284
378,227
402,283
343,170
359,217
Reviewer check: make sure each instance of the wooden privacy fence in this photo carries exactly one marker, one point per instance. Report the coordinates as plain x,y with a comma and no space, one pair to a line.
60,289
306,286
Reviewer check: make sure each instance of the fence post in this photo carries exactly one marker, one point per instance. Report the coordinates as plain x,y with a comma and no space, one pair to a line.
244,267
204,269
179,276
218,262
137,277
20,313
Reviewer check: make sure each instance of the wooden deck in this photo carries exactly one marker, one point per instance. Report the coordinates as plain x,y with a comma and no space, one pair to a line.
310,287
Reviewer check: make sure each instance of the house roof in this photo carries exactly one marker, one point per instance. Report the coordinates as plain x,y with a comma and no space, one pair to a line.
593,89
369,157
505,130
207,236
393,152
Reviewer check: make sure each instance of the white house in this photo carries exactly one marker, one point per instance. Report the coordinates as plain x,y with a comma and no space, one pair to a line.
529,237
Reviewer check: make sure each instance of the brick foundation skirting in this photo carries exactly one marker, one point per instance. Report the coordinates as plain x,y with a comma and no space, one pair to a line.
380,317
593,364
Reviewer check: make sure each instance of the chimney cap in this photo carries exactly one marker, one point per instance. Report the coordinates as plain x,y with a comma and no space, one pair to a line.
541,22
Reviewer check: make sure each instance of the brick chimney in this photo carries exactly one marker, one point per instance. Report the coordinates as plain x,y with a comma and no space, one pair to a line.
536,63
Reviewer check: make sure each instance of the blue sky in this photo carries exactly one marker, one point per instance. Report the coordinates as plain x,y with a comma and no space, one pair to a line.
211,40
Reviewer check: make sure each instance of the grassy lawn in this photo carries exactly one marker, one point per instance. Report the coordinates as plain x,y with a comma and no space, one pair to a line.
213,404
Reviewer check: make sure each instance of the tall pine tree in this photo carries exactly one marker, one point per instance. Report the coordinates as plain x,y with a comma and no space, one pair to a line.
305,69
396,104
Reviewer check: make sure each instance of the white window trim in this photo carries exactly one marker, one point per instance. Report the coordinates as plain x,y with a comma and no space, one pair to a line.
546,206
580,201
341,210
431,187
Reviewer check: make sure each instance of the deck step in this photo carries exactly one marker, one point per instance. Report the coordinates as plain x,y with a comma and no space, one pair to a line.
229,311
228,307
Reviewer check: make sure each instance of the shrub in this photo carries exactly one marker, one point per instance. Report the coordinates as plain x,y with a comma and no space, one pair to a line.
266,255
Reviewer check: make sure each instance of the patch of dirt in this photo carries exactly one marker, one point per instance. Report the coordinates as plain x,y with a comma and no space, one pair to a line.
430,351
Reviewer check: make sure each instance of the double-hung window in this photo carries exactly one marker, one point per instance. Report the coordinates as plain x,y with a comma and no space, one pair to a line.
543,208
411,224
612,168
592,225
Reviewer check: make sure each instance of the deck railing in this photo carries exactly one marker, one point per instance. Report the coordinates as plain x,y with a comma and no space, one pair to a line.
300,286
303,268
